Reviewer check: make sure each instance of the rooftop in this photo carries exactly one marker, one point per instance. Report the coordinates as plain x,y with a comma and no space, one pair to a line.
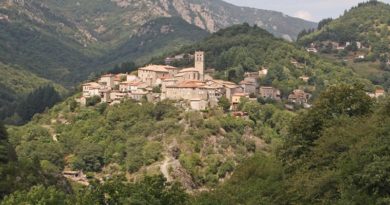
189,84
134,83
92,84
241,94
188,70
158,68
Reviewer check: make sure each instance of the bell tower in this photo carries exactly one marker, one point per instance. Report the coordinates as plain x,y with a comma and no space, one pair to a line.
199,63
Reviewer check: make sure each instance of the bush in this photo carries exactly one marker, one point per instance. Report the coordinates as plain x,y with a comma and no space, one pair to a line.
225,168
92,101
152,152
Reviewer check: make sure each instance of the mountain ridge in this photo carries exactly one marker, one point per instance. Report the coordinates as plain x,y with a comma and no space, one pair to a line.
65,41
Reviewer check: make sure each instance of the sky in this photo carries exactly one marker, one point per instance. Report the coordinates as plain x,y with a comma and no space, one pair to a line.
312,10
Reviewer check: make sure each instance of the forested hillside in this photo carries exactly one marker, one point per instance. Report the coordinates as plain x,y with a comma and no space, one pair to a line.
243,48
320,162
15,85
359,38
310,158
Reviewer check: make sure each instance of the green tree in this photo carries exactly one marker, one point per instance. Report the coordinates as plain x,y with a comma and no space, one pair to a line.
36,195
89,157
37,101
336,101
7,153
224,104
92,101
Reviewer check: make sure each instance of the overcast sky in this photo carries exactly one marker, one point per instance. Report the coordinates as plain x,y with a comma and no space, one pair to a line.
313,10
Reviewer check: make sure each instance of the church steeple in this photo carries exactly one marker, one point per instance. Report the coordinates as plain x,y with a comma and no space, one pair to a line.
199,63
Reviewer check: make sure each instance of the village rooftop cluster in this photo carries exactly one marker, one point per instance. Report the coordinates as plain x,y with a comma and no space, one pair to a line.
193,87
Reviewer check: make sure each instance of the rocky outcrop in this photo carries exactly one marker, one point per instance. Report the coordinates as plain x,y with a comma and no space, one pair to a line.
214,15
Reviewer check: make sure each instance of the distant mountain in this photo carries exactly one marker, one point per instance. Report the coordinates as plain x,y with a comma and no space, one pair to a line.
67,40
101,17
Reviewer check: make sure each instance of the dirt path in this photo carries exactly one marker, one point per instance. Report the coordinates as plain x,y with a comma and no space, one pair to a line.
164,168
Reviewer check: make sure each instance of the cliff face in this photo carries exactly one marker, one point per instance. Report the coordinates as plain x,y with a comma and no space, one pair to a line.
108,18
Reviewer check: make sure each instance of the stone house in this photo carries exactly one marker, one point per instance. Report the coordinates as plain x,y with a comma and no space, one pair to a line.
91,89
117,96
130,86
267,92
119,78
226,87
132,78
299,97
107,81
263,72
151,73
248,86
187,90
138,95
188,74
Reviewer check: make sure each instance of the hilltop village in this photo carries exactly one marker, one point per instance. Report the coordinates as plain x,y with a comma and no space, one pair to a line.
193,87
356,50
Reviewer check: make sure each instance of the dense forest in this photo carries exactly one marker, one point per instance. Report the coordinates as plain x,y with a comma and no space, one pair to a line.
320,162
310,160
18,87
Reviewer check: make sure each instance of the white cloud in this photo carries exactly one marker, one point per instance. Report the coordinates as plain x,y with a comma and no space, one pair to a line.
304,15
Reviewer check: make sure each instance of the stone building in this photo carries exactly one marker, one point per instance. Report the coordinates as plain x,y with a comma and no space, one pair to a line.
91,89
267,92
200,64
152,73
299,97
249,87
107,81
